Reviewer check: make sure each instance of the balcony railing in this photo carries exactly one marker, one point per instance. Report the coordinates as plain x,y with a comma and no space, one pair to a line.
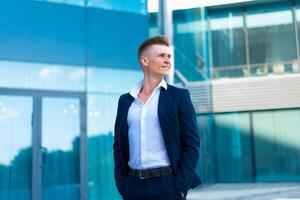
253,70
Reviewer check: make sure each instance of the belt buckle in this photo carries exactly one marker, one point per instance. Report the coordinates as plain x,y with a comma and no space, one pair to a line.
140,175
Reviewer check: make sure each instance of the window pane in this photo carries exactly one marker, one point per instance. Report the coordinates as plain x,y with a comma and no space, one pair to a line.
70,2
228,44
134,6
190,46
15,147
272,43
206,167
233,142
153,24
277,145
296,67
112,80
102,111
60,142
28,75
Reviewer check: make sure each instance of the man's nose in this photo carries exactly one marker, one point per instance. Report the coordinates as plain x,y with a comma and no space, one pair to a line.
167,60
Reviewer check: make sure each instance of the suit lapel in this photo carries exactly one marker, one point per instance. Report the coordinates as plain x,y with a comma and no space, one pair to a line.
162,110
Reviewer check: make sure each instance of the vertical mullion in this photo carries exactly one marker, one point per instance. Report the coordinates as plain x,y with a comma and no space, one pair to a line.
246,42
294,11
83,149
210,45
253,155
36,148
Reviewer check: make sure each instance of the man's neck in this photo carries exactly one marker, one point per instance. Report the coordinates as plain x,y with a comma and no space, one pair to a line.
149,84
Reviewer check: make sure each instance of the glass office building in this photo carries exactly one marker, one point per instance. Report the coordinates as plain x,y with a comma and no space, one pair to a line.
241,64
63,66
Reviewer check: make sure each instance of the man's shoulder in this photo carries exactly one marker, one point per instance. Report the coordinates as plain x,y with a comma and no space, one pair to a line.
177,90
125,96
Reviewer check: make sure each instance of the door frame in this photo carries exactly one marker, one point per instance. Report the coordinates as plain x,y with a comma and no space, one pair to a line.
37,96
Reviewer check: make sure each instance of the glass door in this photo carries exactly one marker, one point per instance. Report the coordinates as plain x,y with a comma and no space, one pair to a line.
60,142
16,126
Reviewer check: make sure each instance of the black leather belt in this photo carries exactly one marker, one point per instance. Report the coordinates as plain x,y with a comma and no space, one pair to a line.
151,173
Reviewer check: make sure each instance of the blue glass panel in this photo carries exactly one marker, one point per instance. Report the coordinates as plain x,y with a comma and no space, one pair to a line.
42,76
272,39
70,2
15,147
112,80
233,147
102,111
153,24
134,6
191,44
206,167
228,43
111,42
60,142
42,32
277,145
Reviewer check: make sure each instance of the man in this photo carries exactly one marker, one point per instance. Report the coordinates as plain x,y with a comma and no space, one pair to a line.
156,141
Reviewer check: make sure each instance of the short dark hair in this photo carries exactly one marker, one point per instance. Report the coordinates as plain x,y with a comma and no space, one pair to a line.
160,40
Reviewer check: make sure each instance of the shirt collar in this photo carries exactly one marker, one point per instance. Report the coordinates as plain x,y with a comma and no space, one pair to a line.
134,92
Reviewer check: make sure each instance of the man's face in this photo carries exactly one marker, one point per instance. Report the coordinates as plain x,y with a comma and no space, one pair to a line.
157,60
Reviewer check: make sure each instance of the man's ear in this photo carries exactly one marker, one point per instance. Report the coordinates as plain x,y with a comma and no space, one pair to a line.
144,60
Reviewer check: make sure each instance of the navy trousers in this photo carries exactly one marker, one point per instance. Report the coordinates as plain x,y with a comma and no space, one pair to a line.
158,188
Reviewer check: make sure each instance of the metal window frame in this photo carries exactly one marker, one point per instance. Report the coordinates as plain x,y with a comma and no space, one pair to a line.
37,97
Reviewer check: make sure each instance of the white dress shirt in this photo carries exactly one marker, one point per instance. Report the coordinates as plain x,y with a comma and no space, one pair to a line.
146,145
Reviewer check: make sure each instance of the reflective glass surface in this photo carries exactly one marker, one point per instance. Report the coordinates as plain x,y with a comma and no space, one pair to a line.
15,147
260,146
134,6
71,2
102,111
295,66
228,42
16,74
277,145
254,40
111,80
190,45
272,39
233,147
206,167
153,24
60,146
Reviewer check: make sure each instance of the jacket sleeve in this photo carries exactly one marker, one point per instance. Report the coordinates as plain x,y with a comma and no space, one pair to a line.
119,165
190,143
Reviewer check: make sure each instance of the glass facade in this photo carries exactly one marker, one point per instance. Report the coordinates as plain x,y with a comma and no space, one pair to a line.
228,41
270,38
234,42
190,42
253,41
63,66
259,146
190,45
15,147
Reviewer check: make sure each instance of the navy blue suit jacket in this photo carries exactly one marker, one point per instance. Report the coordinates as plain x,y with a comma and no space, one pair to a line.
180,133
